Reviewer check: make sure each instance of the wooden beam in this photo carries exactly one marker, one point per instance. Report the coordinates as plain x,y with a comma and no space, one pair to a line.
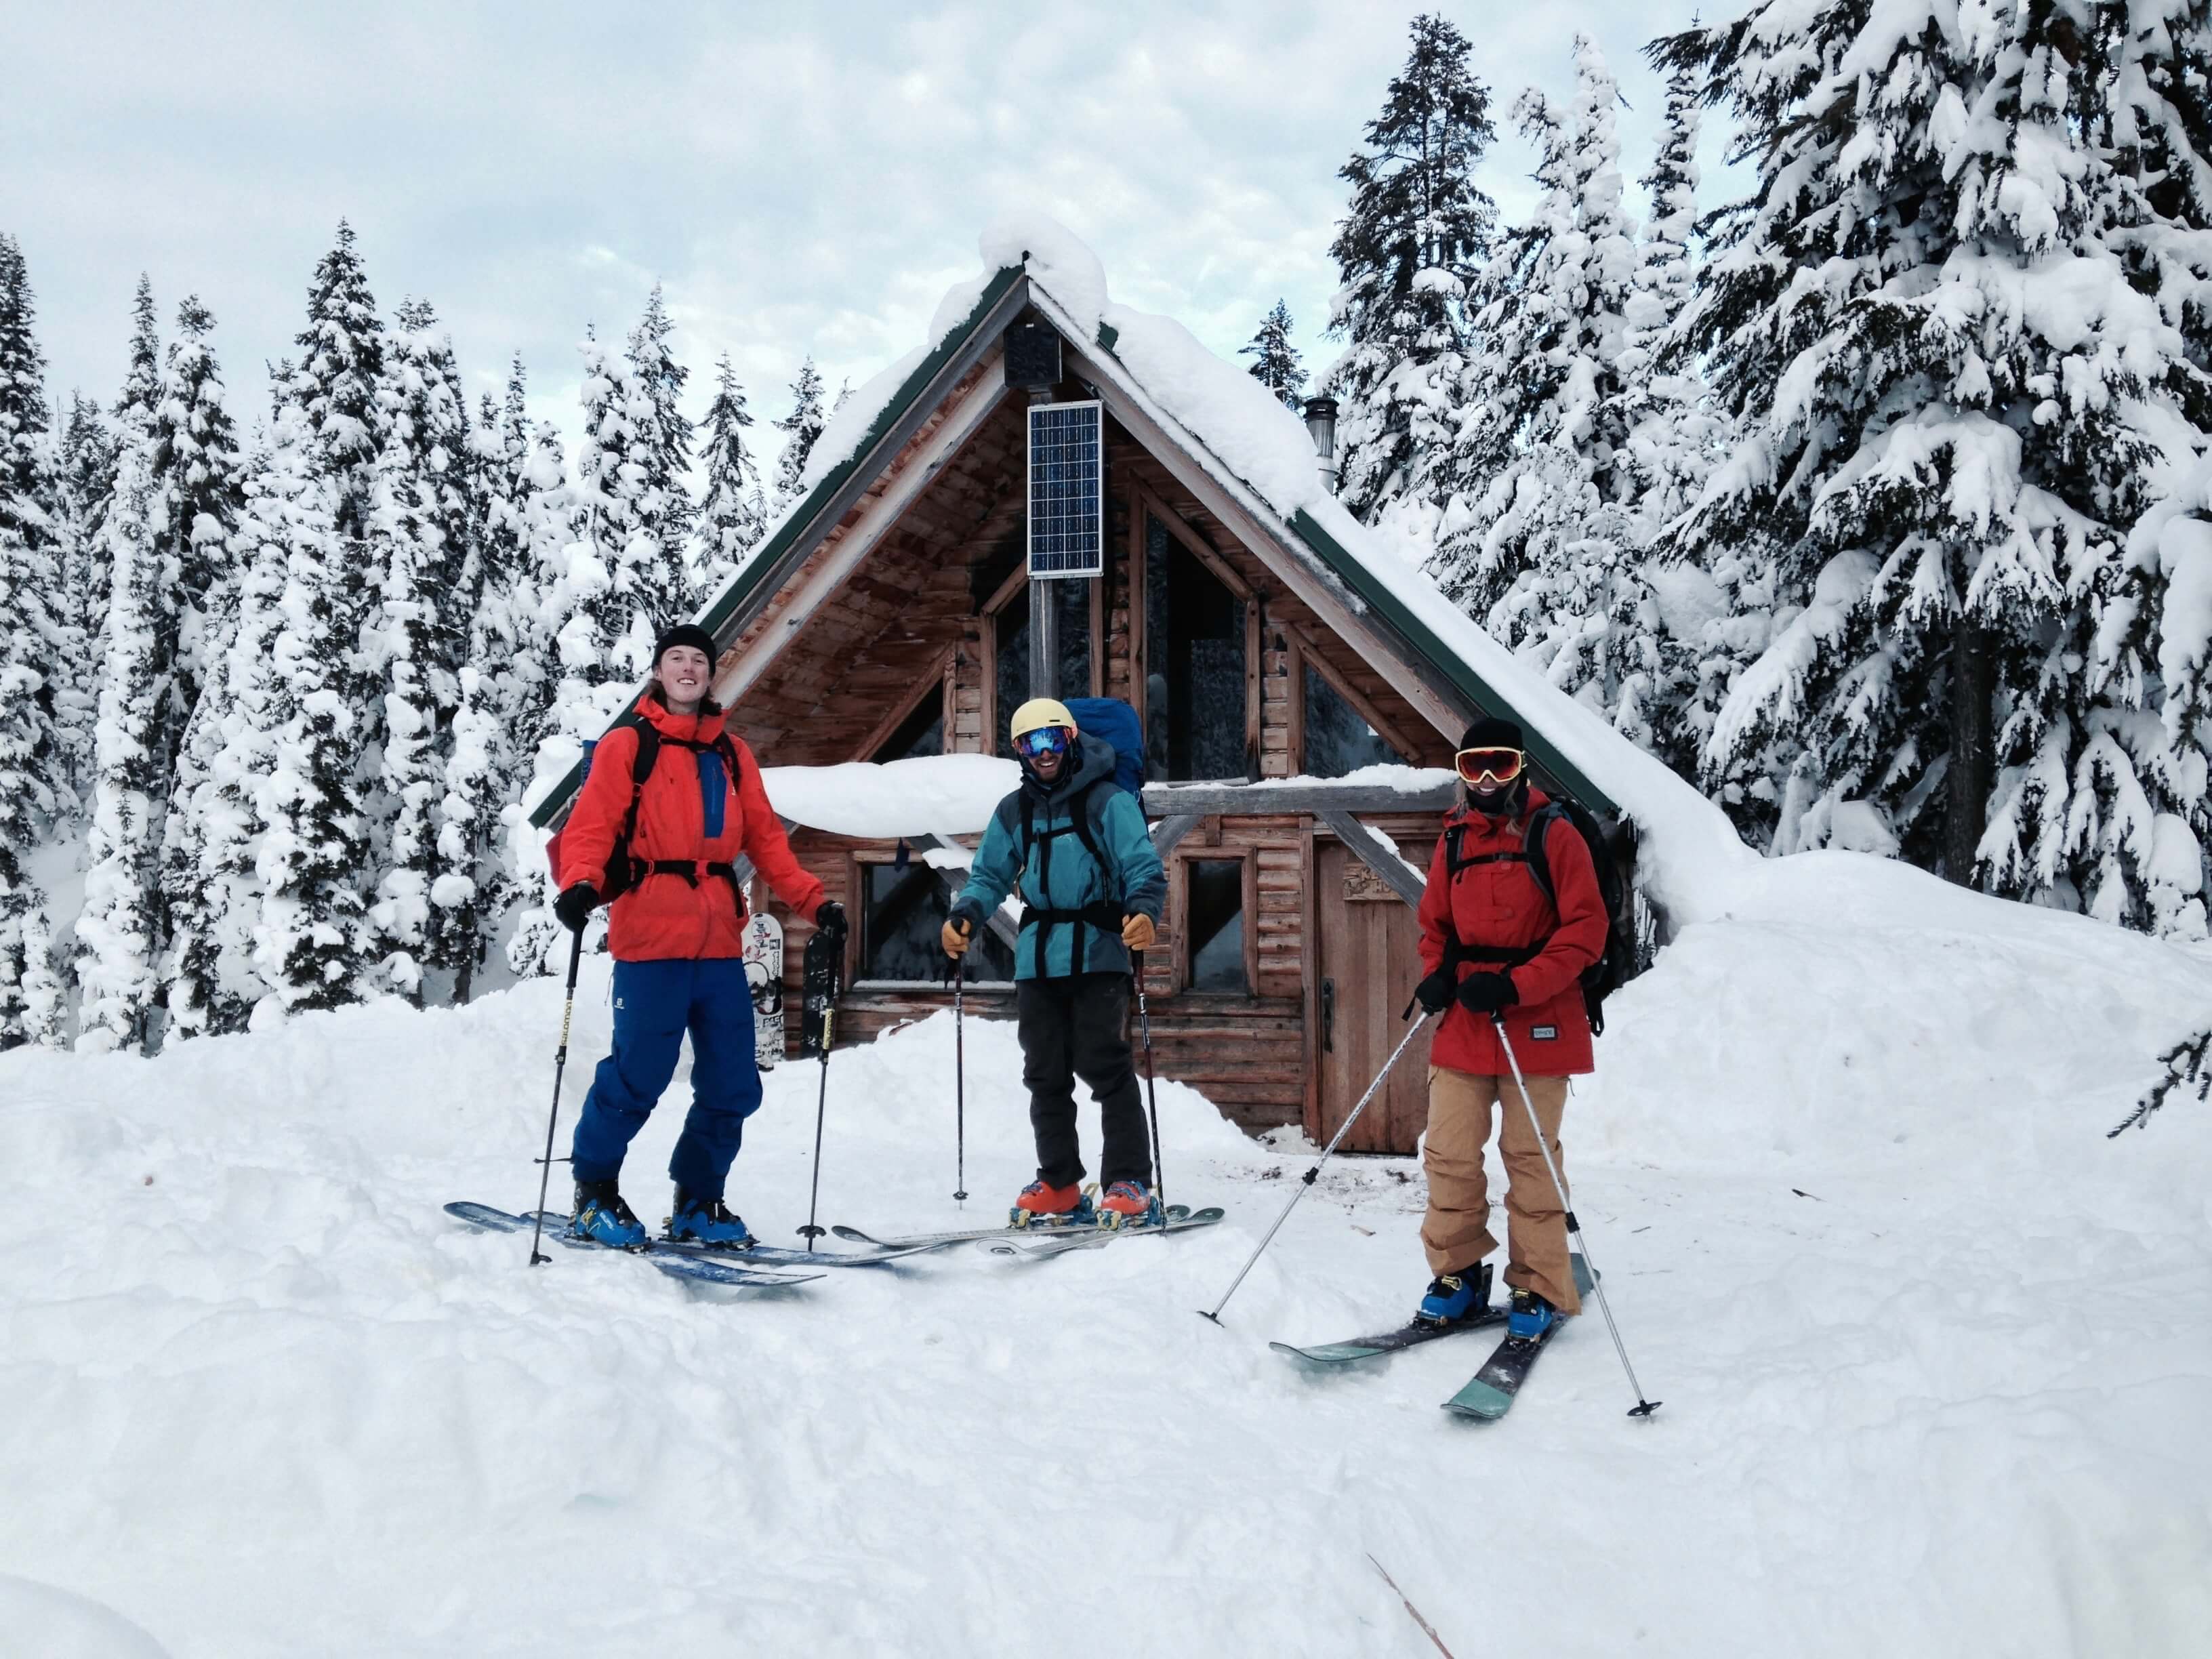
961,423
939,669
1169,830
1246,801
1172,521
1377,853
1383,726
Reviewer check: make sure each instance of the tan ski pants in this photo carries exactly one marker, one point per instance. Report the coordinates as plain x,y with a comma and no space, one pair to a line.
1455,1232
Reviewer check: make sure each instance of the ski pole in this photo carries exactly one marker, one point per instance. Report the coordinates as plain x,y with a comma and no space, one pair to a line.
959,1085
810,1232
1328,1152
1151,1094
1643,1407
560,1065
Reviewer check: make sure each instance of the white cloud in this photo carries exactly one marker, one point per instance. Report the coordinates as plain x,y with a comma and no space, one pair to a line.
801,178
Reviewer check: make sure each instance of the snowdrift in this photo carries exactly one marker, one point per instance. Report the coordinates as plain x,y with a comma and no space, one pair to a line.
1934,1353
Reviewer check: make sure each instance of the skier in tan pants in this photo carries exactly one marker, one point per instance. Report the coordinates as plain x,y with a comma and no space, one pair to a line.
1494,944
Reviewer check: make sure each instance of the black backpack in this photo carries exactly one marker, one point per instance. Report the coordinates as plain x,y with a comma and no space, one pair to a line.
1617,965
624,868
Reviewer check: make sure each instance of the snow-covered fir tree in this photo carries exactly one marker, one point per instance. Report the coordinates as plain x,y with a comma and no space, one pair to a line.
1417,231
801,429
502,694
33,760
663,444
199,499
1538,537
1275,364
1962,331
421,541
567,654
733,514
87,455
122,930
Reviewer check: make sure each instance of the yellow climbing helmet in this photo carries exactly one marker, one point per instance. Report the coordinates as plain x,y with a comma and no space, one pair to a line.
1040,711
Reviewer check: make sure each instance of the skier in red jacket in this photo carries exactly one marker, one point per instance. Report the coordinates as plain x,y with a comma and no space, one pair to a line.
1492,943
677,934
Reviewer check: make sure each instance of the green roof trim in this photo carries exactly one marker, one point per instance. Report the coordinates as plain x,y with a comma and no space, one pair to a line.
1422,638
1108,334
799,525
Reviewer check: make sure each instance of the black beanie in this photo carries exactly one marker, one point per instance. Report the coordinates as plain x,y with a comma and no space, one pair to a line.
1491,733
683,633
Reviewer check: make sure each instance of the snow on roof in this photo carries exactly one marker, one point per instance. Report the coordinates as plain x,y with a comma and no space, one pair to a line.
932,794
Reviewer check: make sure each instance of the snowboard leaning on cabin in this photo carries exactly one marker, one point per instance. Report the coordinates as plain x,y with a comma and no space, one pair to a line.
1497,946
1072,842
665,844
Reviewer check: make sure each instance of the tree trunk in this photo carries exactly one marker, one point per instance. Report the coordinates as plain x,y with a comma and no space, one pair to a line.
1966,785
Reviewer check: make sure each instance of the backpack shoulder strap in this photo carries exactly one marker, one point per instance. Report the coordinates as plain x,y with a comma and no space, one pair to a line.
1535,840
1089,804
648,751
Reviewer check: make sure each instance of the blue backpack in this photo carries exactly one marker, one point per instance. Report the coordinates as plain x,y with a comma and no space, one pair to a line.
1114,723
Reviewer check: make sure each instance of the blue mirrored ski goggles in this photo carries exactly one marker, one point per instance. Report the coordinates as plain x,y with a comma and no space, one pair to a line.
1042,740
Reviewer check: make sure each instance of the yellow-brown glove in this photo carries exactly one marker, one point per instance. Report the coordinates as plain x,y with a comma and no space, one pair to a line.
955,935
1137,932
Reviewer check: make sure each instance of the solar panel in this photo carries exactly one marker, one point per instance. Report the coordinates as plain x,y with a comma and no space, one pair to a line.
1067,501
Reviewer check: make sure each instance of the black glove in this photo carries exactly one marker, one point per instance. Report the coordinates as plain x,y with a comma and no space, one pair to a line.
1487,993
575,907
829,921
1434,994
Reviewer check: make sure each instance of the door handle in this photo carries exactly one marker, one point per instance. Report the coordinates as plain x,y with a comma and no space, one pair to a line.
1328,1016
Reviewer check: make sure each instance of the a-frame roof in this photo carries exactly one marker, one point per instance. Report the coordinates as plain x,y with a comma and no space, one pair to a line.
1379,611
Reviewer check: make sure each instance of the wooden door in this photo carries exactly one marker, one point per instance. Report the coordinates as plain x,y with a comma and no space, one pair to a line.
1369,960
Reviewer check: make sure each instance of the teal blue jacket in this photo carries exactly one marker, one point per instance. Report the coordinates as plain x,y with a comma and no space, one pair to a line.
1034,848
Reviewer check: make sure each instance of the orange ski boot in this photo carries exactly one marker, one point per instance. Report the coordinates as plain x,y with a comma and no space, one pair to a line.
1040,1205
1127,1204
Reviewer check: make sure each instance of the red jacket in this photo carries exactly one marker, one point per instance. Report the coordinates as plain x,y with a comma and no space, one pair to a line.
1500,905
665,915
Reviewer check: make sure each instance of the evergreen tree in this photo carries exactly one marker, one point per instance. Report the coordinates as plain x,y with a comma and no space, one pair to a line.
801,429
1417,231
33,763
122,929
1936,476
664,435
567,656
1538,537
79,605
735,513
1275,362
421,542
198,499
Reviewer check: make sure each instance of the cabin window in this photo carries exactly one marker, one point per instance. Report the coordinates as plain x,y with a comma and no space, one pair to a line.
922,732
1338,738
1194,691
903,913
1071,598
1214,899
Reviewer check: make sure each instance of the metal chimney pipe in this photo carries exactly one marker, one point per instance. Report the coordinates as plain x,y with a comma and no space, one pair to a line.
1321,421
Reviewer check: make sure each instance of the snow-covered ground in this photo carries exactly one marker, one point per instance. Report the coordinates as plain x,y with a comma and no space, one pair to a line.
1936,1356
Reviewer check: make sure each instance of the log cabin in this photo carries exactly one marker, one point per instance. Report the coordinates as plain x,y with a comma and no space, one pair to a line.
1060,497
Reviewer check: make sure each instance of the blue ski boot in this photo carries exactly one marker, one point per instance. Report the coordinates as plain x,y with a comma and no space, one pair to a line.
1453,1297
1130,1203
1530,1317
601,1217
706,1221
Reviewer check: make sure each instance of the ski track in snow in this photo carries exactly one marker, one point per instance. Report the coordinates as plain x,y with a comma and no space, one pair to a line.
264,1398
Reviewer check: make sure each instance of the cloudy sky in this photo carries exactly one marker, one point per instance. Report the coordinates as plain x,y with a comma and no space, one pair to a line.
800,178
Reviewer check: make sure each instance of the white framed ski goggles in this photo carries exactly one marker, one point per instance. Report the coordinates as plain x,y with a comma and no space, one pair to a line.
1489,765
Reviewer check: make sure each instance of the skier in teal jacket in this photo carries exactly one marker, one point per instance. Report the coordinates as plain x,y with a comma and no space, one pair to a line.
1071,845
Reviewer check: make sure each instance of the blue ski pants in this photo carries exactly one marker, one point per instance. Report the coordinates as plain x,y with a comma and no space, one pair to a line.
655,1003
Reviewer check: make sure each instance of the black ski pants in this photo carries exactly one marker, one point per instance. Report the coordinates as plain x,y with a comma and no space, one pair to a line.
1074,1027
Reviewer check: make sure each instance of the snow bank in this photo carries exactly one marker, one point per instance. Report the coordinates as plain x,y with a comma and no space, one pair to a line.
1844,1168
931,794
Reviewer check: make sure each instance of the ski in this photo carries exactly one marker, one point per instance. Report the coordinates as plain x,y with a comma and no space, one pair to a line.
780,1255
674,1261
1409,1336
1089,1238
915,1242
1489,1394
